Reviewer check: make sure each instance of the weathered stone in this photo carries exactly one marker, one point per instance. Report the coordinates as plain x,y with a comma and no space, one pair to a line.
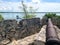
29,27
10,29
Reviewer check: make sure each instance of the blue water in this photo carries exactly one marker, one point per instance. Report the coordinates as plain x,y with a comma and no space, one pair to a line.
21,14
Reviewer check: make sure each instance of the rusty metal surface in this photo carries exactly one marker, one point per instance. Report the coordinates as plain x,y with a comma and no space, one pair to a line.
51,35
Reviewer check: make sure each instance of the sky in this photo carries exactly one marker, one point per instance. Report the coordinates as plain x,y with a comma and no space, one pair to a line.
40,5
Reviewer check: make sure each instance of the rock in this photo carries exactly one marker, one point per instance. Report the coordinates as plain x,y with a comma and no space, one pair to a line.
29,26
41,37
5,41
57,31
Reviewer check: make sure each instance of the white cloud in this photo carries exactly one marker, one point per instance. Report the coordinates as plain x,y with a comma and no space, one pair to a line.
45,7
42,7
10,6
36,1
51,7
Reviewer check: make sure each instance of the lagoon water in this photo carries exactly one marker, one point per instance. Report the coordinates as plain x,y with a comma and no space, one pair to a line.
12,15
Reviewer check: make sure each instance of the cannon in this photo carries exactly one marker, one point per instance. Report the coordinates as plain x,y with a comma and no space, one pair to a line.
51,35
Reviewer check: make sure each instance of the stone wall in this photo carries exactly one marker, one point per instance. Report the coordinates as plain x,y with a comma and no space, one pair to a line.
7,29
10,29
29,26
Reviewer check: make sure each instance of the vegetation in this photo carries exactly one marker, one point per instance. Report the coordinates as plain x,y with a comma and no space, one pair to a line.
1,17
54,17
28,15
50,15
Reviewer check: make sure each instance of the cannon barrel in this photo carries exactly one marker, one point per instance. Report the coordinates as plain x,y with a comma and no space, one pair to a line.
51,35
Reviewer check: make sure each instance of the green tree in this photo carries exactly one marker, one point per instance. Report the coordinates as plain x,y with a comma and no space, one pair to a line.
1,17
50,15
28,15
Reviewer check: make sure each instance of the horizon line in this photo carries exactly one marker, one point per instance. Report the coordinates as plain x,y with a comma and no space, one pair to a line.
30,12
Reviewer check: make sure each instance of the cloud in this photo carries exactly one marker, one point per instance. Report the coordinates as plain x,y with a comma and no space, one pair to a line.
49,7
42,6
36,1
53,1
45,6
9,6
